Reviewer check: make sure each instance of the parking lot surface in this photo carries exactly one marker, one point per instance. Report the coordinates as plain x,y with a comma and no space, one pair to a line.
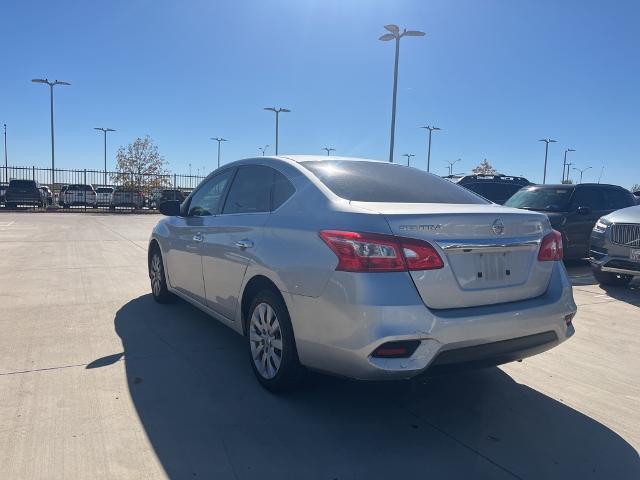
98,381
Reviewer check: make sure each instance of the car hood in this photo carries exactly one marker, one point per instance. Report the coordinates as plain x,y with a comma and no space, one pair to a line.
625,215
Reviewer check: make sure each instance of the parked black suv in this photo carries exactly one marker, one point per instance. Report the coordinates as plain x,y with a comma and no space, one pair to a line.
573,209
24,192
497,188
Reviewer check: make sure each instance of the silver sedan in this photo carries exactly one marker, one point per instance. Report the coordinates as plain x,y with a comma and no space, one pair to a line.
363,269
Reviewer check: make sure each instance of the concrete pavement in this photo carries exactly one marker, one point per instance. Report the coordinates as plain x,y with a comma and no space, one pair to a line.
98,381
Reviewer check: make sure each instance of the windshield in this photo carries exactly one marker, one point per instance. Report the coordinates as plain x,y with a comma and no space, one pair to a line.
544,199
385,182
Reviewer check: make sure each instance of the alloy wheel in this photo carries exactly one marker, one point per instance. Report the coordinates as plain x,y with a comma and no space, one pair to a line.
265,337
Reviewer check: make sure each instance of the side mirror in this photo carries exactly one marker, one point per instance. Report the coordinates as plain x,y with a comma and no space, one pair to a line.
584,210
170,208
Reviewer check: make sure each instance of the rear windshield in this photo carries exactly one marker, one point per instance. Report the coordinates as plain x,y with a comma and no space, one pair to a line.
22,184
82,188
385,182
545,199
104,189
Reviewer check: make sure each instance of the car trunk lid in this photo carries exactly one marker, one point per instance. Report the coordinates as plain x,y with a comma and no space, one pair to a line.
490,252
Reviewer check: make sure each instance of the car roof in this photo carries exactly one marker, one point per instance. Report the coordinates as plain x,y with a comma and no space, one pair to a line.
324,158
575,185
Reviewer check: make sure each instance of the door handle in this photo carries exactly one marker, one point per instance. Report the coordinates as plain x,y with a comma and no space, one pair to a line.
244,244
198,237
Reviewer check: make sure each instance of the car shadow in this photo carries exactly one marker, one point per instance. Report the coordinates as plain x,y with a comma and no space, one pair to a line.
206,416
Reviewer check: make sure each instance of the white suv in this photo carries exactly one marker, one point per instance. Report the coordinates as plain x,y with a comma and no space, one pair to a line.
79,194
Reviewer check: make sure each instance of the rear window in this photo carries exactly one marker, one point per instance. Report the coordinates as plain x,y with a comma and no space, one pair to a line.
544,199
22,184
82,188
386,182
104,190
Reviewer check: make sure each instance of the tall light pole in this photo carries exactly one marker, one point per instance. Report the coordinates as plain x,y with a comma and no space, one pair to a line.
6,168
53,150
451,164
105,130
408,155
431,129
277,112
328,150
396,35
263,149
219,140
581,170
547,141
564,164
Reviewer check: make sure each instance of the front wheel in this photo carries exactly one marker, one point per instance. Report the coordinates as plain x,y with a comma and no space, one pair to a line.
272,345
161,293
611,278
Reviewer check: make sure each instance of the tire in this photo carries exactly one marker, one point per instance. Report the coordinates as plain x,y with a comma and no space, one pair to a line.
271,343
159,290
610,278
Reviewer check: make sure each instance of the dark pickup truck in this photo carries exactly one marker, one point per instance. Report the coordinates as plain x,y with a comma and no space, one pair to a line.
24,192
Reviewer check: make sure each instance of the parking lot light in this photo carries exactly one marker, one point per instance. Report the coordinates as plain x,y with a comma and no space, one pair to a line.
277,111
53,155
396,35
581,170
408,155
328,150
547,141
263,149
105,130
219,140
431,129
564,164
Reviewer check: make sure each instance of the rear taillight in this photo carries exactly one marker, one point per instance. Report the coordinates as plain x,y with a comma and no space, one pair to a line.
374,252
551,247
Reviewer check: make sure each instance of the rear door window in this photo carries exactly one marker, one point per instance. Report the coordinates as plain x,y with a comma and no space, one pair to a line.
250,191
615,199
588,197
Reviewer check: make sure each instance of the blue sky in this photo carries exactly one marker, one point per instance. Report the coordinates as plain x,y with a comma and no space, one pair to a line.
495,75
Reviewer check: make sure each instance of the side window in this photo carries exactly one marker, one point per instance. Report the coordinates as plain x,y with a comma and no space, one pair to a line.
282,190
615,199
588,197
207,200
250,191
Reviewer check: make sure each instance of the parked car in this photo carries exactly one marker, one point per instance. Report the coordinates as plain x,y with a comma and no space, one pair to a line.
63,189
127,197
79,194
103,196
24,192
573,209
637,195
3,190
47,193
615,247
160,196
364,269
497,188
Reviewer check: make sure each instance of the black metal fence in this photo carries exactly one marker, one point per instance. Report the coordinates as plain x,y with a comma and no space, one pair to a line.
146,183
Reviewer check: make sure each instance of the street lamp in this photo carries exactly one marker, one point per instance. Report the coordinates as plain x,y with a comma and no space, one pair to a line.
277,112
408,155
53,155
328,150
263,149
105,130
396,35
431,129
581,170
6,168
564,164
547,141
219,140
451,164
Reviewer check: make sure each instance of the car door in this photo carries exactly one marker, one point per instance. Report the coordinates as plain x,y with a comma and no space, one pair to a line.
186,234
584,210
232,239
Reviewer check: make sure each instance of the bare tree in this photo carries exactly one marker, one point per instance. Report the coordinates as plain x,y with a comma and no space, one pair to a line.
141,166
485,168
635,187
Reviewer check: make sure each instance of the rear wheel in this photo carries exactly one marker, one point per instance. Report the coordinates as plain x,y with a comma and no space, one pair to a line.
161,293
611,278
272,345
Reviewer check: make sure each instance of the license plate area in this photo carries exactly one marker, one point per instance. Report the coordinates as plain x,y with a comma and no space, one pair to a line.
483,270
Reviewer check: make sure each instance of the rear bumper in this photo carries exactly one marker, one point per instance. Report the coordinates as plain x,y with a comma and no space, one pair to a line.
338,331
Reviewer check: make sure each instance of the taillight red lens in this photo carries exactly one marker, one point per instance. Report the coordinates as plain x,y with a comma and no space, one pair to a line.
374,252
551,247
